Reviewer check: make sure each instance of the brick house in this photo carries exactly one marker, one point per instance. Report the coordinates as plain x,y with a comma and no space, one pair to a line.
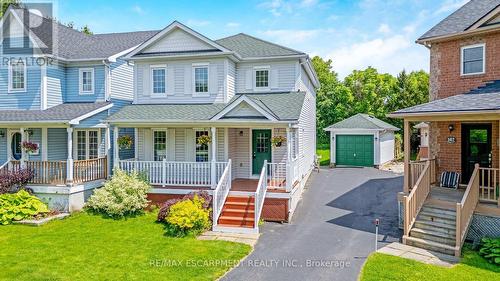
463,114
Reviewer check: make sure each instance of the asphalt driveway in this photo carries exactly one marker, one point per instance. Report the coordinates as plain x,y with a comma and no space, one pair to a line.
332,231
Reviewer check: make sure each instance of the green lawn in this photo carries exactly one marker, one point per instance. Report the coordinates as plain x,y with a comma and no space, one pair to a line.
324,151
88,247
386,267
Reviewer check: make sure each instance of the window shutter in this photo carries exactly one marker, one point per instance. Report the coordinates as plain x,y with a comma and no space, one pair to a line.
249,79
274,73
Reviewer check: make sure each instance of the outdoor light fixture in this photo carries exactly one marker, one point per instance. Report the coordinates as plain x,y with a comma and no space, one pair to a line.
241,133
451,127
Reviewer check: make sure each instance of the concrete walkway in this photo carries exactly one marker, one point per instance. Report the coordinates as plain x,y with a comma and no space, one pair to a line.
417,254
250,239
332,231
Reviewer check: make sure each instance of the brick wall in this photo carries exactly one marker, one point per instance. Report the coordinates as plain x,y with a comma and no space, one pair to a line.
445,78
450,155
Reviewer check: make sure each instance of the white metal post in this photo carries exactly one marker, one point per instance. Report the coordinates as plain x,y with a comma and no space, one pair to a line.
164,172
116,151
23,151
108,149
69,162
214,158
289,177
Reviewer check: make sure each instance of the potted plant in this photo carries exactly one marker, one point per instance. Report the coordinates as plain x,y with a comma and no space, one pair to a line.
204,139
125,142
29,147
277,141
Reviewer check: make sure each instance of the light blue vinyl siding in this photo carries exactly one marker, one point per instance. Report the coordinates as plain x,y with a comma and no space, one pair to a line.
72,93
36,137
56,84
30,99
118,104
93,120
3,147
57,145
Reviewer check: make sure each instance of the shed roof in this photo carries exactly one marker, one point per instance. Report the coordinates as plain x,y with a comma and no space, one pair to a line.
362,122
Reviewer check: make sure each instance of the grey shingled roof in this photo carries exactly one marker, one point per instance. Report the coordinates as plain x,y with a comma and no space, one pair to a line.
362,121
58,114
483,98
73,44
248,46
284,106
462,18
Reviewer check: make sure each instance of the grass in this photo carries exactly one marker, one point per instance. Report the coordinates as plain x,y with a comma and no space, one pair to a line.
323,150
89,247
386,267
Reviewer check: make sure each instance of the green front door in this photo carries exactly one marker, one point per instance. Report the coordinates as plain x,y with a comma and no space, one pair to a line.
354,150
261,149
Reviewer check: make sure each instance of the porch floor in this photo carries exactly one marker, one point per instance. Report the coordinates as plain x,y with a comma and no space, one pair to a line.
250,185
447,194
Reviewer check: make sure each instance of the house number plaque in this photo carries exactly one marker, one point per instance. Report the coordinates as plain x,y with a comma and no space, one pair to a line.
452,140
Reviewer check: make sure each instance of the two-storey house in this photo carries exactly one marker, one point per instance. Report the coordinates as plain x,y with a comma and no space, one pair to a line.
235,117
56,97
464,135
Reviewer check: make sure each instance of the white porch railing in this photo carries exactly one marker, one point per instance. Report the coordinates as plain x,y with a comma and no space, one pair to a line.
260,195
175,173
220,193
276,175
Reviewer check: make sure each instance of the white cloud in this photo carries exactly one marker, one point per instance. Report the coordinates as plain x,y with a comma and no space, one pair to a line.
198,23
138,10
450,6
277,7
292,36
384,28
308,3
391,55
232,24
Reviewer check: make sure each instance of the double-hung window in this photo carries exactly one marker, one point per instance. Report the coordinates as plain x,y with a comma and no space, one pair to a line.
200,74
159,145
261,77
87,144
17,76
158,80
473,59
201,149
86,80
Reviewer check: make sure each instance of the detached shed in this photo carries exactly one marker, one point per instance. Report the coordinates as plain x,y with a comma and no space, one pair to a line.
361,140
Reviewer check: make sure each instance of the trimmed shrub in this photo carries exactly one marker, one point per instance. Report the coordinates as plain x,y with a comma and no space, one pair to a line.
188,217
19,206
125,194
13,181
490,249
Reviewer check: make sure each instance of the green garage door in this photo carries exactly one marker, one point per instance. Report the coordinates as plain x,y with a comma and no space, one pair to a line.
354,150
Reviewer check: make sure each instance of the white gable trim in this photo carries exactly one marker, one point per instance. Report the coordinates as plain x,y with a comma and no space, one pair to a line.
167,30
237,102
77,120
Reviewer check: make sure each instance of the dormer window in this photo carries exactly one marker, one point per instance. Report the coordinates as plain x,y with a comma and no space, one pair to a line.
261,78
159,79
200,75
86,78
17,76
473,59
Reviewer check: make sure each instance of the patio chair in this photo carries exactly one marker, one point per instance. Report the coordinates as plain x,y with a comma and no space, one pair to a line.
450,179
317,159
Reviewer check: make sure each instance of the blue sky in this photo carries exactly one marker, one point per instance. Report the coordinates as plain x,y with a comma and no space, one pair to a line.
354,34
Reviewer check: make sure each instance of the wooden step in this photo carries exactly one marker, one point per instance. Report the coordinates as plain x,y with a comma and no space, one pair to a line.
434,215
240,199
240,206
226,211
236,221
438,210
435,236
445,227
430,245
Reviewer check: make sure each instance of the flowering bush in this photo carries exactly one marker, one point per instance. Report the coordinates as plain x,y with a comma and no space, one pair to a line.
188,217
165,209
12,181
125,142
125,194
19,206
277,141
29,147
204,139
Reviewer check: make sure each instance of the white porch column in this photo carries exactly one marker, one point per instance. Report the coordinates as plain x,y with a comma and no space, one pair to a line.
289,177
116,151
406,140
107,149
23,152
214,157
69,162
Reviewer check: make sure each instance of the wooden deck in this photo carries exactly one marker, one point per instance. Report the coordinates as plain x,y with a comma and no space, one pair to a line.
243,185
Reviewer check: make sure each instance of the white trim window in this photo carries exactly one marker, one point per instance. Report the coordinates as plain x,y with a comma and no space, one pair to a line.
159,145
201,150
261,77
87,144
200,79
158,79
17,76
473,59
86,81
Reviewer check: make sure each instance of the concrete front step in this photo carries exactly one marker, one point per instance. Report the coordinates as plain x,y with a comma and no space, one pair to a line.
435,236
430,245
